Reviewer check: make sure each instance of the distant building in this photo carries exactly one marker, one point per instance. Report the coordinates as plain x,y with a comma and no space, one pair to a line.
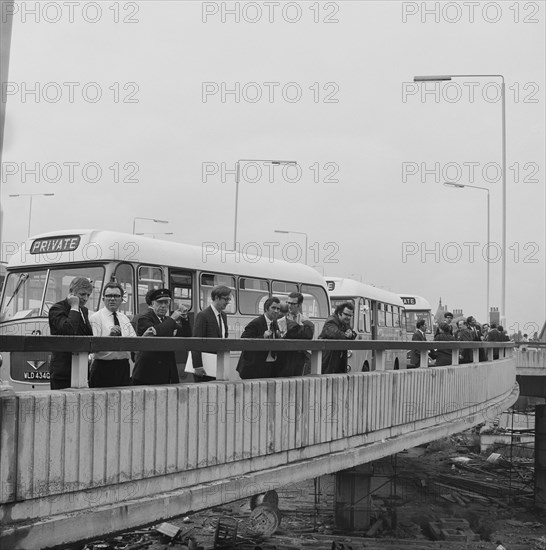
494,315
439,315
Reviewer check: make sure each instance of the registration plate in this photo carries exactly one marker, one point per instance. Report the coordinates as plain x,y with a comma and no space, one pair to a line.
33,375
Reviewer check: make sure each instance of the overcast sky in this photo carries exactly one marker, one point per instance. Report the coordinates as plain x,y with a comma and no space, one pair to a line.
142,110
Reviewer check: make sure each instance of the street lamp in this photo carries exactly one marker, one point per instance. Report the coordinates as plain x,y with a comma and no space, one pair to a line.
30,195
148,219
295,233
154,234
237,178
461,186
503,114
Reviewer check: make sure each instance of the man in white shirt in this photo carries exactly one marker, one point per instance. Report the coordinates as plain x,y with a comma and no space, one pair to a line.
111,368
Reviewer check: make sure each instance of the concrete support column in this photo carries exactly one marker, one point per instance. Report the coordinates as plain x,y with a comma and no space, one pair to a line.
352,504
540,456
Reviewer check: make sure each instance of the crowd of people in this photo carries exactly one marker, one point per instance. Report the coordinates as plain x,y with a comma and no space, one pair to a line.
113,368
464,330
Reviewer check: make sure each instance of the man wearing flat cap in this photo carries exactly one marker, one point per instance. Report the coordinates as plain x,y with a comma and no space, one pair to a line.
159,367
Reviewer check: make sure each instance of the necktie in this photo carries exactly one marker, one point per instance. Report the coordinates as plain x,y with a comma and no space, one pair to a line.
115,316
220,325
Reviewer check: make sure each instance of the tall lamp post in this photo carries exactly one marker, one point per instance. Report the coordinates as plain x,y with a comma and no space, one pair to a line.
31,195
503,131
461,186
238,177
148,219
296,233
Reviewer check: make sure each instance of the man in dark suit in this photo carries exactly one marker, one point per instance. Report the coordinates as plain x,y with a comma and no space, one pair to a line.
418,336
337,327
159,367
212,322
69,317
261,364
494,336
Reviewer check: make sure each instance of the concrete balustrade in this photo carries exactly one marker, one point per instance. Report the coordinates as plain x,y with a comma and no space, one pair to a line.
78,463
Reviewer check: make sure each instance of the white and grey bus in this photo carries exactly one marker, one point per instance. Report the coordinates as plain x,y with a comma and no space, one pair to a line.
378,315
39,275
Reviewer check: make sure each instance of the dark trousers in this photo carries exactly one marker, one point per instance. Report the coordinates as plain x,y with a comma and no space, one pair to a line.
109,373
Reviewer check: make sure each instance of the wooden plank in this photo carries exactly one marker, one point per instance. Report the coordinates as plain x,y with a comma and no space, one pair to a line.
312,410
230,421
71,443
201,425
182,449
41,449
252,417
194,431
56,440
24,467
148,435
112,436
285,414
305,410
137,429
221,450
173,418
291,413
98,449
239,421
127,418
85,439
8,447
262,447
211,421
298,382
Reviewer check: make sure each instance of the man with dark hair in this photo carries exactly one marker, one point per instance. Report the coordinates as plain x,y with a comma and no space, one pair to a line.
159,367
111,368
418,336
494,335
212,322
69,317
448,318
298,327
261,364
337,327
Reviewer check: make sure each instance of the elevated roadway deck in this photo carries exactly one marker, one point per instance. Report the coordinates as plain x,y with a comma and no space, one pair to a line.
79,463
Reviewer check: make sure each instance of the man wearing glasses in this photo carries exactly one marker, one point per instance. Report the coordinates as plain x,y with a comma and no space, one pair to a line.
212,322
159,367
111,368
295,363
337,327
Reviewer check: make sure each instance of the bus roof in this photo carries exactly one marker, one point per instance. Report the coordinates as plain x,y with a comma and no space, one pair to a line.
340,287
415,303
92,245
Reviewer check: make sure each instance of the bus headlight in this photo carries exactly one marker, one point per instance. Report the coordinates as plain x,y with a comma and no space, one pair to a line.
1,360
349,352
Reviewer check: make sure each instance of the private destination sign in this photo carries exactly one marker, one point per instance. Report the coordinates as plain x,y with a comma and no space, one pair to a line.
55,244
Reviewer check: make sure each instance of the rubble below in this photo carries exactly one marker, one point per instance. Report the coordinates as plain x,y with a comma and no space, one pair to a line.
446,486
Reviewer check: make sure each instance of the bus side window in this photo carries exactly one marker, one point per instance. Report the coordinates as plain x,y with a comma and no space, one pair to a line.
363,317
208,282
252,295
148,277
281,290
380,314
315,301
180,283
124,276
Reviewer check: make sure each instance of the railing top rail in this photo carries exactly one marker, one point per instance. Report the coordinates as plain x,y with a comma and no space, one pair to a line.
91,344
